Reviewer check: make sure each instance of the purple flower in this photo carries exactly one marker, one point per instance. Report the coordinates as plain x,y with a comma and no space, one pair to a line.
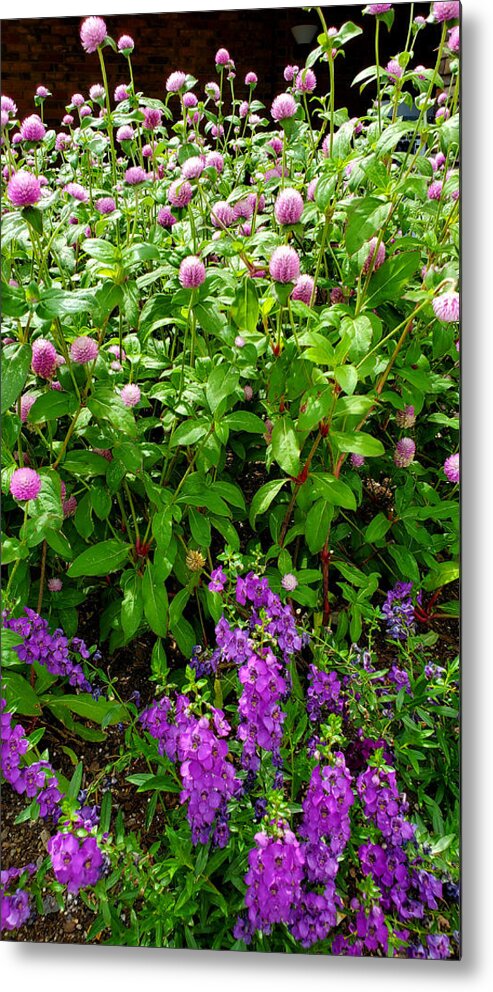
447,307
251,79
125,133
165,218
378,8
126,44
192,272
180,193
222,214
27,400
398,611
152,118
394,70
290,73
121,93
435,188
215,160
451,468
283,107
303,289
77,191
284,264
105,205
445,10
289,582
405,450
218,580
84,350
135,175
55,585
25,484
406,418
453,41
375,257
306,81
175,82
357,461
130,395
32,128
222,57
438,943
288,207
23,189
92,34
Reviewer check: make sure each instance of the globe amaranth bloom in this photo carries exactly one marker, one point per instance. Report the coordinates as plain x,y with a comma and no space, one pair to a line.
447,307
42,92
378,8
125,133
193,167
394,70
152,118
445,10
288,207
23,189
135,175
284,264
96,92
121,93
25,484
27,400
83,350
405,450
306,81
451,468
130,394
175,82
105,205
44,358
222,57
92,34
222,214
289,582
375,257
32,128
453,40
180,193
303,289
55,585
406,417
77,191
126,44
165,218
357,461
7,104
251,79
290,72
435,188
212,90
192,272
283,107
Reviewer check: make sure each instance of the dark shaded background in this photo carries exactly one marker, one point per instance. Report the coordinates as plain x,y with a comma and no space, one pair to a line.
48,51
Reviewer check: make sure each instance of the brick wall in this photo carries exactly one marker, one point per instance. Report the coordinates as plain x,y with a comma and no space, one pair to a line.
48,51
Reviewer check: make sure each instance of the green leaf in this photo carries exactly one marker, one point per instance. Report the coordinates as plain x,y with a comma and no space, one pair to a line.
264,497
324,191
365,217
445,572
102,250
389,282
34,217
243,420
88,708
101,559
391,136
285,446
358,443
346,32
222,381
85,463
52,406
346,377
61,303
21,697
105,404
132,605
162,523
317,524
334,490
155,601
14,303
360,332
377,528
189,433
101,502
405,561
245,308
16,361
314,406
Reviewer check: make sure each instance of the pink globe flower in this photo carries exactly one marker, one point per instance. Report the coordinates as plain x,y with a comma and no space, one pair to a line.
290,73
126,44
25,484
406,418
105,205
283,107
42,92
77,191
152,118
193,167
451,468
192,272
165,218
288,207
135,175
310,193
44,358
27,400
447,307
247,393
222,57
175,82
55,585
375,257
284,264
435,190
357,461
289,582
453,40
180,193
62,141
104,452
251,79
32,128
215,161
189,100
96,92
378,8
23,189
68,120
125,133
130,394
444,10
405,450
85,111
303,289
212,90
7,104
394,70
92,34
84,350
77,100
69,506
442,114
336,295
222,214
121,93
306,81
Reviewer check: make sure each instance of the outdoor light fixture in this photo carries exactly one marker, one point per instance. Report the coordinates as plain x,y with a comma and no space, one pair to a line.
304,33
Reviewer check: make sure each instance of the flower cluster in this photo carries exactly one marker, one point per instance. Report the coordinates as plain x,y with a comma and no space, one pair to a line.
15,906
274,878
323,695
53,651
398,611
